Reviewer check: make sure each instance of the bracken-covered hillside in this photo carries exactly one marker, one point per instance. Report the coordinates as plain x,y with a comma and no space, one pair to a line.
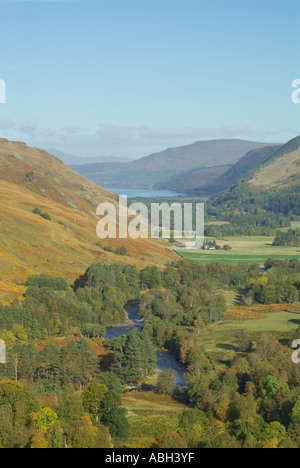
32,179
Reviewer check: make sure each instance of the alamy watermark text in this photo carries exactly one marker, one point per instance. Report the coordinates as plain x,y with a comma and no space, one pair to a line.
163,220
2,352
2,92
296,93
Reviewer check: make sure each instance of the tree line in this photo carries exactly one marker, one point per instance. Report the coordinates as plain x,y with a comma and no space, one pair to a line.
247,398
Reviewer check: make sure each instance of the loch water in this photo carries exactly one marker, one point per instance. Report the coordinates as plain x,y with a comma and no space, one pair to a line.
165,359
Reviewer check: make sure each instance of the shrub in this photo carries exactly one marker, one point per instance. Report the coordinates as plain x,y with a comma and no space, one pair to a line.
30,176
121,251
43,215
46,216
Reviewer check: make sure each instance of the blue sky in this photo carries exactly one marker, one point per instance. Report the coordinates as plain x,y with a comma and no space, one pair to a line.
129,77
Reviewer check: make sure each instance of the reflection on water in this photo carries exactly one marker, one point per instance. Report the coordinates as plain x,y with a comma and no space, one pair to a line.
133,317
165,360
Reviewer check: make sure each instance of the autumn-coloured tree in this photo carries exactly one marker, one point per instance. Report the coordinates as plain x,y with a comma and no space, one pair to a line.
44,418
38,440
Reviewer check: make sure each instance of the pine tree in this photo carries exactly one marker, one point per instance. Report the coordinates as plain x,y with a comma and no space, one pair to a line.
113,416
133,359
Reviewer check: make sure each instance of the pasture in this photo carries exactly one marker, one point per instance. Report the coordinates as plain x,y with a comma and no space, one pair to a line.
256,319
255,249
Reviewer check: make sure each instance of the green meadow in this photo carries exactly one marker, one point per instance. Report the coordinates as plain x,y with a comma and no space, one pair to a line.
257,319
256,249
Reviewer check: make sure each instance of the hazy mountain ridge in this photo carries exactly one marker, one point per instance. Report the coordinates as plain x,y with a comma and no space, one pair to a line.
169,163
199,154
237,171
73,159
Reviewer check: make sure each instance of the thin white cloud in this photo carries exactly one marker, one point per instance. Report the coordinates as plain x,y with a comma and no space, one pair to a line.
109,139
30,127
142,140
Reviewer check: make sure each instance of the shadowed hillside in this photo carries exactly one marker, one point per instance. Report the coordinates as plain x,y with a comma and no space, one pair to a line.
240,169
189,181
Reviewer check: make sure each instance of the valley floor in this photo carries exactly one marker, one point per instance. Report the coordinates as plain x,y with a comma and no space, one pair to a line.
255,249
277,319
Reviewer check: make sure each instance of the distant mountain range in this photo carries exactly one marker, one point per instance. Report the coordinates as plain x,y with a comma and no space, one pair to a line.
199,154
174,167
72,159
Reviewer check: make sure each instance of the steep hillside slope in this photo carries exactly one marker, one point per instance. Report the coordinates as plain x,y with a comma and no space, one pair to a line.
273,185
66,243
44,174
248,162
281,171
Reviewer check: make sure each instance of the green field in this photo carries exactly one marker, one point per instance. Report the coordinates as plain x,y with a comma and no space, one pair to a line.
256,249
256,319
294,225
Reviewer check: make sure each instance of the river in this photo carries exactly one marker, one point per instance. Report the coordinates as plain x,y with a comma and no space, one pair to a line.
165,359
